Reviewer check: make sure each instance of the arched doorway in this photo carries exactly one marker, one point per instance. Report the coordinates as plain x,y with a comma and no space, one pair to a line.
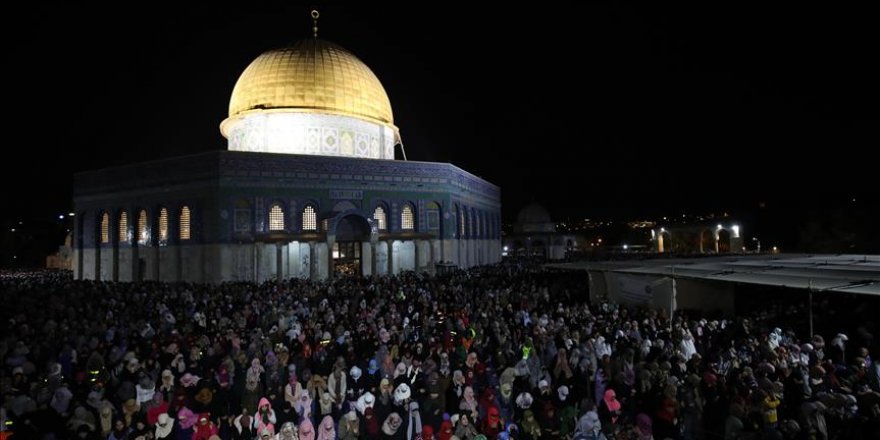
664,242
351,233
707,241
723,241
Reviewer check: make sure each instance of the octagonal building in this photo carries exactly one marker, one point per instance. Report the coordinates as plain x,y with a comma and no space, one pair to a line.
308,188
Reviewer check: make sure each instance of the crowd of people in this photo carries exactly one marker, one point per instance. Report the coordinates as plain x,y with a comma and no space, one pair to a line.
509,351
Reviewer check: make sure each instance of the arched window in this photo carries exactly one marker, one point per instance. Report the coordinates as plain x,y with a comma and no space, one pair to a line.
105,228
477,231
123,227
143,237
462,224
473,223
163,225
185,223
407,220
379,216
243,218
432,216
489,222
310,218
487,225
276,217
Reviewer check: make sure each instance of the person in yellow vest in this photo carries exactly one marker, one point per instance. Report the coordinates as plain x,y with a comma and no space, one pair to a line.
771,418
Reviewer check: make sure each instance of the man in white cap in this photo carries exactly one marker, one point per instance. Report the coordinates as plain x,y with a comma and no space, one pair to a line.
357,385
401,394
562,396
367,400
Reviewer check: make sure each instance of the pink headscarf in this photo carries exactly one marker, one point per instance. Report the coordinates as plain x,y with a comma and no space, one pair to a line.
306,430
186,418
611,401
265,420
327,431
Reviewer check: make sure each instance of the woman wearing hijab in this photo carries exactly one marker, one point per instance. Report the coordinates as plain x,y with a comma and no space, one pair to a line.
288,431
349,426
492,425
244,426
185,420
589,427
609,410
391,429
370,424
487,400
293,390
205,428
120,431
644,427
306,430
455,392
465,429
446,429
265,416
531,430
164,427
469,404
327,430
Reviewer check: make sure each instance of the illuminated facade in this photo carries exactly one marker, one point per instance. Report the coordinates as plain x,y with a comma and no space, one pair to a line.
700,238
308,188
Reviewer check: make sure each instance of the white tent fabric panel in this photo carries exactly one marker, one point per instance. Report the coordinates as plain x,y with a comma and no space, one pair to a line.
859,274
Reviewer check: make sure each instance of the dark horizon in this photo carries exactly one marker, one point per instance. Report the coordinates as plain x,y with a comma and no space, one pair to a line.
593,110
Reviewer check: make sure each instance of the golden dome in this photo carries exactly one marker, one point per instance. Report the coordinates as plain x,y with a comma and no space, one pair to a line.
313,76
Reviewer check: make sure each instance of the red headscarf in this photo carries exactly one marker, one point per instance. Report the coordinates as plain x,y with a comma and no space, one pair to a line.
492,424
487,399
446,430
371,422
427,432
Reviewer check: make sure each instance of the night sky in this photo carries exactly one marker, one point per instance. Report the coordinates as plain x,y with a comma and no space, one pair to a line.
595,110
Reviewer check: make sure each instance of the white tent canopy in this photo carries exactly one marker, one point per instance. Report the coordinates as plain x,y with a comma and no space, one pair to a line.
709,283
844,273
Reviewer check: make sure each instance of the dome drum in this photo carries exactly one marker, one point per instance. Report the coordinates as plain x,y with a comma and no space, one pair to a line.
312,133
